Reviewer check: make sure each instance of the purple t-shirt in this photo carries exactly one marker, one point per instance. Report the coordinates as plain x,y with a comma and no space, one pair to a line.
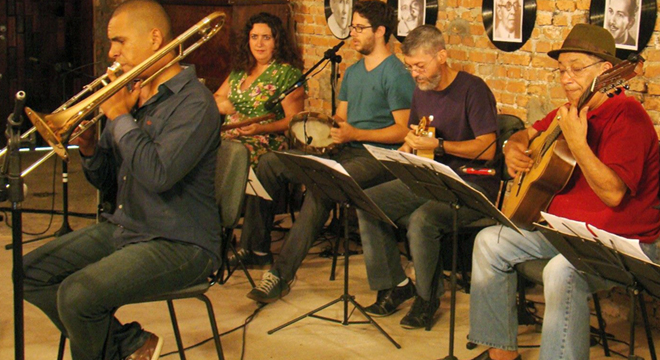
464,110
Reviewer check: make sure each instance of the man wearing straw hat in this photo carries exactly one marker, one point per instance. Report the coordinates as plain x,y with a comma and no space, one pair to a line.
614,187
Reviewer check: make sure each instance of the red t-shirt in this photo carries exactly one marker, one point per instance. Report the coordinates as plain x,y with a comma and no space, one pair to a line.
622,136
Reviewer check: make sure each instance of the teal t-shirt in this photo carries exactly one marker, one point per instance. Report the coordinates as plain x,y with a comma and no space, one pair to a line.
373,95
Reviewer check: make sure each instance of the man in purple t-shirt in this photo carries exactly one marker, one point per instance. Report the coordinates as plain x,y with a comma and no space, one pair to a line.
464,116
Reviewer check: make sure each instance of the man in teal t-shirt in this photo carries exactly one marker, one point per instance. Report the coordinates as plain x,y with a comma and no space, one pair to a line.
374,106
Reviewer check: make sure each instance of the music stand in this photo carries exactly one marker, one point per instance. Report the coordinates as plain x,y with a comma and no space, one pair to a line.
435,181
593,257
328,179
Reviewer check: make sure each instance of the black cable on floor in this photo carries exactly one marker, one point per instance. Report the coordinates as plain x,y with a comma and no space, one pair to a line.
52,209
243,326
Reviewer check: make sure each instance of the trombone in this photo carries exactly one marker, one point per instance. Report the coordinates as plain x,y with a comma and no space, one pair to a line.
59,127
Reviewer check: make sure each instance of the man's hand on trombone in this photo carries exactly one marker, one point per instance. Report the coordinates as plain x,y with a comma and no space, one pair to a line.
123,101
87,140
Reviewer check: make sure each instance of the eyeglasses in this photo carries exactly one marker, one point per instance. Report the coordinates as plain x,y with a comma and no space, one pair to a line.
573,71
509,5
420,69
358,28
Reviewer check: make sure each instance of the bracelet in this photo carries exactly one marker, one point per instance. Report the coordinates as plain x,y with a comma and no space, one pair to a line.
440,150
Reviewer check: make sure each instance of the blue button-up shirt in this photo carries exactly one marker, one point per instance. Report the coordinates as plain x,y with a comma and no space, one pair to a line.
162,157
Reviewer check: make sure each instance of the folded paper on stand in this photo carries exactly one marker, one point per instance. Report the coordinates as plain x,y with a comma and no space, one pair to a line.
383,154
588,232
255,188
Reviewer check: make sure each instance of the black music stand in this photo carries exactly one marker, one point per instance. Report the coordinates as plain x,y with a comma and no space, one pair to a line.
593,257
438,182
335,185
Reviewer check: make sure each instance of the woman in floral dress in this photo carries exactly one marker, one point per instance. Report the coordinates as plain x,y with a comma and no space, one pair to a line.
266,63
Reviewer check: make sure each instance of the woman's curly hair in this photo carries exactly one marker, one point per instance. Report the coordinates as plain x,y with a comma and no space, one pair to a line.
285,51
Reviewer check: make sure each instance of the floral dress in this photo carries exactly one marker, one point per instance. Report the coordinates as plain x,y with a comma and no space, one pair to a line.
249,103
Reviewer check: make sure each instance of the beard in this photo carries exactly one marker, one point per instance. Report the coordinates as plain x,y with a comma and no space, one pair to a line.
426,83
367,47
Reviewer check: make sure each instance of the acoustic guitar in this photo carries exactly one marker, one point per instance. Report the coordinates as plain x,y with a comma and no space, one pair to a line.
423,129
554,163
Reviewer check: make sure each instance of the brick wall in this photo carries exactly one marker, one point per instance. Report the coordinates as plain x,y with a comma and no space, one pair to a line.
522,80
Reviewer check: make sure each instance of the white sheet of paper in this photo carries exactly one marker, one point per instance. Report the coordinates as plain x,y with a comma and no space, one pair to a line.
327,162
588,232
402,157
255,188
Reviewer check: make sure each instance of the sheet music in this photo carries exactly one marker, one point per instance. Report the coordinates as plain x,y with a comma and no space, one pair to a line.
387,155
255,188
327,162
383,154
588,232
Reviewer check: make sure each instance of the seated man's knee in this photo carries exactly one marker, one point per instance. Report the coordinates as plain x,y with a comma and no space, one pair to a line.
76,299
268,166
488,239
557,272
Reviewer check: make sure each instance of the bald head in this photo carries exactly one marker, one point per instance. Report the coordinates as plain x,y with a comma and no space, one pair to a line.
146,15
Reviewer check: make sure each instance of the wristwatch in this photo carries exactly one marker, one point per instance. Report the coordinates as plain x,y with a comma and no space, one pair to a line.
440,150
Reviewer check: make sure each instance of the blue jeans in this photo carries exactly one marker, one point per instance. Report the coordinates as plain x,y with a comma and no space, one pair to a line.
274,176
493,314
426,222
81,278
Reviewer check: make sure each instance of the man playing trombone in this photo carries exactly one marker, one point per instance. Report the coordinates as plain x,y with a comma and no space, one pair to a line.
159,149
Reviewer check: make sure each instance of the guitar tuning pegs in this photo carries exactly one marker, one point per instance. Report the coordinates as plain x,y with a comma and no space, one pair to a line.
626,86
618,91
610,95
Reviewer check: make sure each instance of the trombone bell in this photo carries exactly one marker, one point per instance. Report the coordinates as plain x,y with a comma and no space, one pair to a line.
40,122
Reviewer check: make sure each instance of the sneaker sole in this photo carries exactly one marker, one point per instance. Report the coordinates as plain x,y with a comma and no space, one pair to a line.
411,327
380,315
158,349
270,300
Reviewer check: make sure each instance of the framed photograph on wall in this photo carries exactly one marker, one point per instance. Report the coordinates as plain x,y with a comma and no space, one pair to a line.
508,23
338,15
507,20
622,21
410,14
631,22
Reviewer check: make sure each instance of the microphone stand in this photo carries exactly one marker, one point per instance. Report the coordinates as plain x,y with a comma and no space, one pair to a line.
330,54
12,190
335,60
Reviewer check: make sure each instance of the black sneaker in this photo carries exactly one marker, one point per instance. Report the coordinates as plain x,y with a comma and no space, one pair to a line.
388,300
270,289
421,312
250,259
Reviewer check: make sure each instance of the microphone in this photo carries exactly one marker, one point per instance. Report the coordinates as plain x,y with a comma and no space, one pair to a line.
19,105
270,103
331,52
274,100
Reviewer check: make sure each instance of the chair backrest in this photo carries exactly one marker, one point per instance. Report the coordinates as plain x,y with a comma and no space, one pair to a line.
231,174
507,126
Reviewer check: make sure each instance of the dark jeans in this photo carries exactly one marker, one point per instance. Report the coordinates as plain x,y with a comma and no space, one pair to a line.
426,221
274,176
81,278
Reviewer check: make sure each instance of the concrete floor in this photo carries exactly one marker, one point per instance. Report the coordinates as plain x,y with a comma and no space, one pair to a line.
307,339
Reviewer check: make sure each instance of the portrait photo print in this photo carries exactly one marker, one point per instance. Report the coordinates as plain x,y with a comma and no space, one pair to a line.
338,14
507,20
622,18
411,14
